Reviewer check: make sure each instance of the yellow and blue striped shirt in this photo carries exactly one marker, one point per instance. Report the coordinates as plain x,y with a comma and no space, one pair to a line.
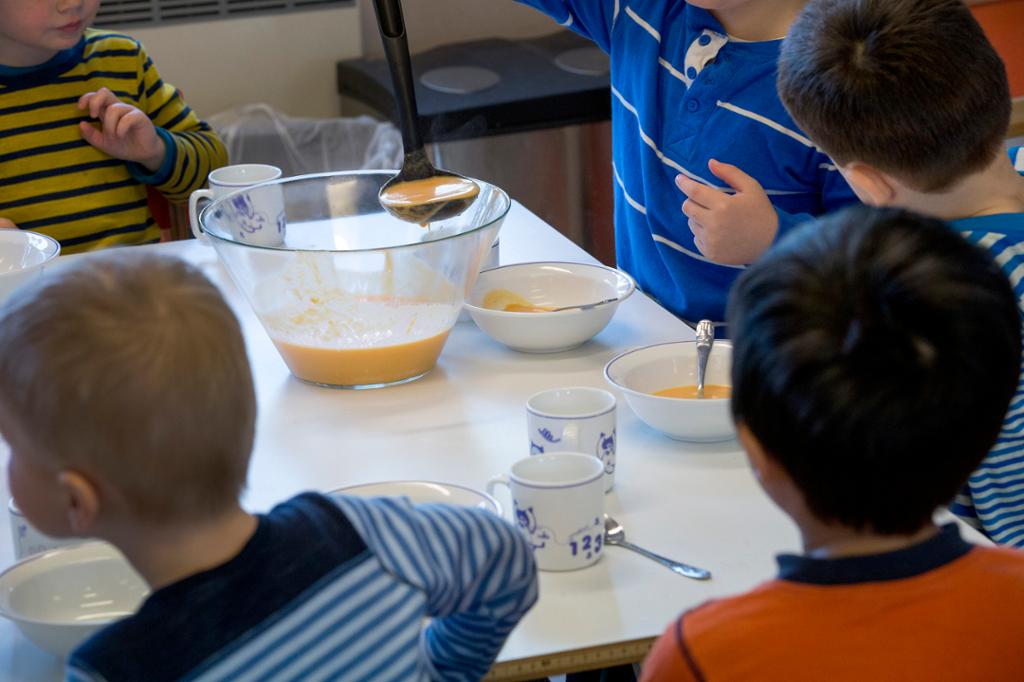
52,181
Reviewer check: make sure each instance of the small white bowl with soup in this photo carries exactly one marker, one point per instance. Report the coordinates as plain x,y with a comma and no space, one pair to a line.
514,304
659,383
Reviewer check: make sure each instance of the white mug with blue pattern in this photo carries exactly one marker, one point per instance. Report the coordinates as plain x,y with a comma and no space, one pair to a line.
558,502
577,419
257,215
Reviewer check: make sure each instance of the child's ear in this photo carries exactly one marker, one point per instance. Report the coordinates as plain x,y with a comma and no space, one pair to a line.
81,501
871,185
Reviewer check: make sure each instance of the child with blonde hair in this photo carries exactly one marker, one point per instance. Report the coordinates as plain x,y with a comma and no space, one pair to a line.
128,403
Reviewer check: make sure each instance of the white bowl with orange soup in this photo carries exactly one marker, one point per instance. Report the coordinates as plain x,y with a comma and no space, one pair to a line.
512,303
649,376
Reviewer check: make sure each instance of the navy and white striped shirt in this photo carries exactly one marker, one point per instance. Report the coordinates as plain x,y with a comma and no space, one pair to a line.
684,92
331,589
993,499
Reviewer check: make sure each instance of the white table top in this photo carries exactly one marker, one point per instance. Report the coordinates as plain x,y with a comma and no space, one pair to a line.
465,422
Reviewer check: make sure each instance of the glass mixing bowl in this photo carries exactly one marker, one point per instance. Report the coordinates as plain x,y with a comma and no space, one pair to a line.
351,297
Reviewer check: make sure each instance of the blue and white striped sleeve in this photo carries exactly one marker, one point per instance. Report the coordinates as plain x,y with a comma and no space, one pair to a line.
477,572
590,18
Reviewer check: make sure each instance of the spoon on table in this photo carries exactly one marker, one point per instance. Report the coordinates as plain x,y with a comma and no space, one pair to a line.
419,193
705,340
615,535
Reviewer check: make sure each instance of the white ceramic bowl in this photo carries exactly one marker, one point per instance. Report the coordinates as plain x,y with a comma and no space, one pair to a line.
61,597
641,372
425,492
22,257
551,285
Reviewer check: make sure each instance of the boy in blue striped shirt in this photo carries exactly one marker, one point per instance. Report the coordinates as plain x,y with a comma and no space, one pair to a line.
912,102
141,364
694,108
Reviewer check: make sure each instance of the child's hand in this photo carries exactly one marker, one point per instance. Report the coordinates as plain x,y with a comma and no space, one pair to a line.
732,229
6,224
125,132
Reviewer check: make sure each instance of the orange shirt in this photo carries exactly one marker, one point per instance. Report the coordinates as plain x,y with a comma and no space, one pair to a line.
941,610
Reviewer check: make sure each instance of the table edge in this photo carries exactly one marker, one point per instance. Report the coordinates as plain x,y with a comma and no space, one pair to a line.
575,660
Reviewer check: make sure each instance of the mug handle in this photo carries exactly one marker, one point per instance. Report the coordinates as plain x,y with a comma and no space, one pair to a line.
193,217
495,482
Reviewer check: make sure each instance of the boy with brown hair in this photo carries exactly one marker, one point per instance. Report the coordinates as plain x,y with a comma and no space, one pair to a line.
128,404
911,101
874,355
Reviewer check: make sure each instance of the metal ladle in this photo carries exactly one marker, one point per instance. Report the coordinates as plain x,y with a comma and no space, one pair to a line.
456,195
705,340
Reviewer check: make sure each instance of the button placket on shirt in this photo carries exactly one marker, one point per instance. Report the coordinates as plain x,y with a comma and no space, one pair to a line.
701,58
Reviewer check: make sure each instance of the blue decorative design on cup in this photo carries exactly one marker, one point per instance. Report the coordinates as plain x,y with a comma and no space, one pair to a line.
546,434
249,220
605,451
525,519
536,449
587,541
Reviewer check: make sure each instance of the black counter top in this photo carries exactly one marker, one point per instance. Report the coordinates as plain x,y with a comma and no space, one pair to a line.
533,92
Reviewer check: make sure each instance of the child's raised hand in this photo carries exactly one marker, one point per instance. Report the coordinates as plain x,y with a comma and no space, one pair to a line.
6,224
732,229
124,132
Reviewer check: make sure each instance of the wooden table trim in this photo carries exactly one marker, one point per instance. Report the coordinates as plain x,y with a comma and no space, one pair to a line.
577,660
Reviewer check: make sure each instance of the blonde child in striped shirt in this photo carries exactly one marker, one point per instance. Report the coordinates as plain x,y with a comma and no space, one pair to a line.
86,124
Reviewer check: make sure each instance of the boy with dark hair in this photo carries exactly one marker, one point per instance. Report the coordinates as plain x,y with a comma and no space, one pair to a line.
694,108
875,353
142,364
911,102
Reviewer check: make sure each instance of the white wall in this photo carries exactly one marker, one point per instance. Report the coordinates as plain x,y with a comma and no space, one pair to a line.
430,23
286,60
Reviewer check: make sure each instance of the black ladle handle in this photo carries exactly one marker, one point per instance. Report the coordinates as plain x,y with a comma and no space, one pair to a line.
396,50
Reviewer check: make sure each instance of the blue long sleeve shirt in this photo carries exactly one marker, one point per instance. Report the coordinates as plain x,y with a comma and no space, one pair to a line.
683,93
333,588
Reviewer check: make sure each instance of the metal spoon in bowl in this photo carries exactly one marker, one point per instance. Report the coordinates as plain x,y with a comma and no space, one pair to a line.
614,534
705,340
419,193
585,306
510,302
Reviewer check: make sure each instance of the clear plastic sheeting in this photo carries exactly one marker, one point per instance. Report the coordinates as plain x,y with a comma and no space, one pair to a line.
256,133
